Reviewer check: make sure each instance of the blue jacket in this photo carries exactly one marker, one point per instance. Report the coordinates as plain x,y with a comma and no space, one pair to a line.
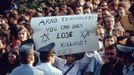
26,69
48,69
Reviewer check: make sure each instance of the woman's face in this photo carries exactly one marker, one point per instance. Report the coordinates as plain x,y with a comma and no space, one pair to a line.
12,58
111,54
22,35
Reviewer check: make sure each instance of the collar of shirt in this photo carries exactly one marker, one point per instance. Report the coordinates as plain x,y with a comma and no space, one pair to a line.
129,68
27,65
47,64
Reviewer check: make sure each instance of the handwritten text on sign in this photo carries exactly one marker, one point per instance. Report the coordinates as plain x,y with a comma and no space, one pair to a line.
71,34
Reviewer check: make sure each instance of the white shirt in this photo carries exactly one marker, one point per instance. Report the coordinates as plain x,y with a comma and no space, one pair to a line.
128,70
78,66
26,69
48,69
95,65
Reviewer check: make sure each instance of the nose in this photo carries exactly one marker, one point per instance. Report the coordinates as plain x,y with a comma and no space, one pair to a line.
9,57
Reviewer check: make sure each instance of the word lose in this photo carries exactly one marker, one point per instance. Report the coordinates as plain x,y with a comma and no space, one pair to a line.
64,35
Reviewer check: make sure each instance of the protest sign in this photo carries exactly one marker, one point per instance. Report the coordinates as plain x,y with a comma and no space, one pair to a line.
71,34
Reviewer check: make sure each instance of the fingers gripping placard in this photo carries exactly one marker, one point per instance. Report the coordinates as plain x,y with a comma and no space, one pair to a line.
71,34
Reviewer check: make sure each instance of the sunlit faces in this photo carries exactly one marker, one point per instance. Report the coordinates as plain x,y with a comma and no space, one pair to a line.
22,35
109,41
87,11
126,4
100,32
31,57
5,26
103,5
121,11
109,22
95,3
80,2
2,21
51,57
99,11
105,13
79,10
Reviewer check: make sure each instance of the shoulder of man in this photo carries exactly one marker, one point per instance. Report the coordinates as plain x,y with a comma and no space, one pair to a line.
16,70
40,71
57,70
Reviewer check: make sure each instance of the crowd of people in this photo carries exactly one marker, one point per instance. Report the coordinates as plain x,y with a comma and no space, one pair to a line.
115,32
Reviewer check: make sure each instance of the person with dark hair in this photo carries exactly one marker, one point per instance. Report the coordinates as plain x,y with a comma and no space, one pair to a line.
79,10
10,61
14,37
103,4
4,41
47,58
109,23
127,52
87,8
27,59
24,34
80,2
100,58
114,66
74,63
127,21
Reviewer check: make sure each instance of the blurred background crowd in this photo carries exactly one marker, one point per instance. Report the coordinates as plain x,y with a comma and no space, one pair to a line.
115,25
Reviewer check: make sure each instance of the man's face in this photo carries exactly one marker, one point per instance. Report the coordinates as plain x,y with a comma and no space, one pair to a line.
109,41
79,10
109,21
52,58
87,11
70,59
104,5
121,11
100,33
111,54
81,2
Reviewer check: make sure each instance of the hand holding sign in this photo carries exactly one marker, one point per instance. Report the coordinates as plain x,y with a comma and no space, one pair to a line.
71,34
